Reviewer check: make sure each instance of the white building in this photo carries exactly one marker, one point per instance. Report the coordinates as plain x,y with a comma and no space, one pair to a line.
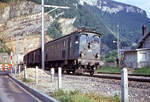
141,56
143,51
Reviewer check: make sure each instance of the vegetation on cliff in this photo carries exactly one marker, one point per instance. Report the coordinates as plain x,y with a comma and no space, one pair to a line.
4,48
54,30
104,22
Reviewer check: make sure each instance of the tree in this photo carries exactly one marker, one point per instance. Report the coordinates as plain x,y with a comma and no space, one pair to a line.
54,30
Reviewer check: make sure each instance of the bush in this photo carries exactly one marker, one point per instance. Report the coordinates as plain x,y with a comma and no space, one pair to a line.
111,56
54,30
77,96
26,80
8,1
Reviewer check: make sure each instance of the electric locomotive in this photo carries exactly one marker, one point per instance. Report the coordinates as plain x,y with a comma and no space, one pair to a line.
77,52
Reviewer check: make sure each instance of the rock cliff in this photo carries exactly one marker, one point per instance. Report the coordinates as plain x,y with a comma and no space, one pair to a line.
20,25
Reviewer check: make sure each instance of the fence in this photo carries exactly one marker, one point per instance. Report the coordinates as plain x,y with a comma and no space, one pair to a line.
5,67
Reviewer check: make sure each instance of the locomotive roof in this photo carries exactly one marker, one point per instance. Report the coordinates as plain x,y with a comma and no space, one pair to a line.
77,31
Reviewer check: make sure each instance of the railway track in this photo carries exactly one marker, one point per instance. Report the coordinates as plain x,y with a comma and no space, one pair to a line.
112,81
138,91
131,77
128,74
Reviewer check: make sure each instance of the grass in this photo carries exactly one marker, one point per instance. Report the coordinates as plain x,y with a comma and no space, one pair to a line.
27,80
77,96
142,71
108,69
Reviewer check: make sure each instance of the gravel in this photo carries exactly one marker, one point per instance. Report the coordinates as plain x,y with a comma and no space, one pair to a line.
138,91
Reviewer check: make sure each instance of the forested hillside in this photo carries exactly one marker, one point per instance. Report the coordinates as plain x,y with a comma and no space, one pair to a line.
103,16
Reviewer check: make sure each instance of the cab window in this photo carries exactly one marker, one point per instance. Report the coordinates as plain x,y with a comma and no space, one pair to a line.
83,39
90,38
76,39
96,39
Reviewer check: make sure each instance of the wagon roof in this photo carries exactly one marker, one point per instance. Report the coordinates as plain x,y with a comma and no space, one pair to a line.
143,39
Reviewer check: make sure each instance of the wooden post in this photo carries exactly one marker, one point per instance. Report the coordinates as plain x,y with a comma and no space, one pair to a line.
19,70
36,75
59,78
25,72
124,85
15,69
52,74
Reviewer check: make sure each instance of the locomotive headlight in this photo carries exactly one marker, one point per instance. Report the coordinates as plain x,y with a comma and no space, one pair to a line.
81,54
76,42
97,55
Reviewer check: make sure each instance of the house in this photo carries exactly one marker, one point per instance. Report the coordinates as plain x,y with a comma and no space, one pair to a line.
130,58
141,56
143,51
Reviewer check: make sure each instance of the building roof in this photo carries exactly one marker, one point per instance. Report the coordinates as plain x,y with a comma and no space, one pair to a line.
130,51
142,40
143,49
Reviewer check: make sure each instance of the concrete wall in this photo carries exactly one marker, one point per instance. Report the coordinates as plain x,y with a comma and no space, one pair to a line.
130,59
143,58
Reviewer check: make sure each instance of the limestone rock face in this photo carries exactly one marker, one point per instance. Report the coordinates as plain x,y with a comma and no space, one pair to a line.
24,44
21,18
20,27
17,9
66,25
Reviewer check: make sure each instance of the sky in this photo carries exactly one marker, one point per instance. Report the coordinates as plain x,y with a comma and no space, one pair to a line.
143,4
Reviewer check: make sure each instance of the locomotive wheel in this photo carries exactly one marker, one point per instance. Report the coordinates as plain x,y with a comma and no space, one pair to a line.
68,71
63,71
74,72
91,73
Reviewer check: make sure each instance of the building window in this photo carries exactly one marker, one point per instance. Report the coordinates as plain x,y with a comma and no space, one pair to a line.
143,57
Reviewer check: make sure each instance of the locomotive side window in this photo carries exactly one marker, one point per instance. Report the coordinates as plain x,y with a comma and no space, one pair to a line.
90,38
70,43
96,39
76,39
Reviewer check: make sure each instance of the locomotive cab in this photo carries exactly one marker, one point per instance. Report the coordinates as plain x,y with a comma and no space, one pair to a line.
89,51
